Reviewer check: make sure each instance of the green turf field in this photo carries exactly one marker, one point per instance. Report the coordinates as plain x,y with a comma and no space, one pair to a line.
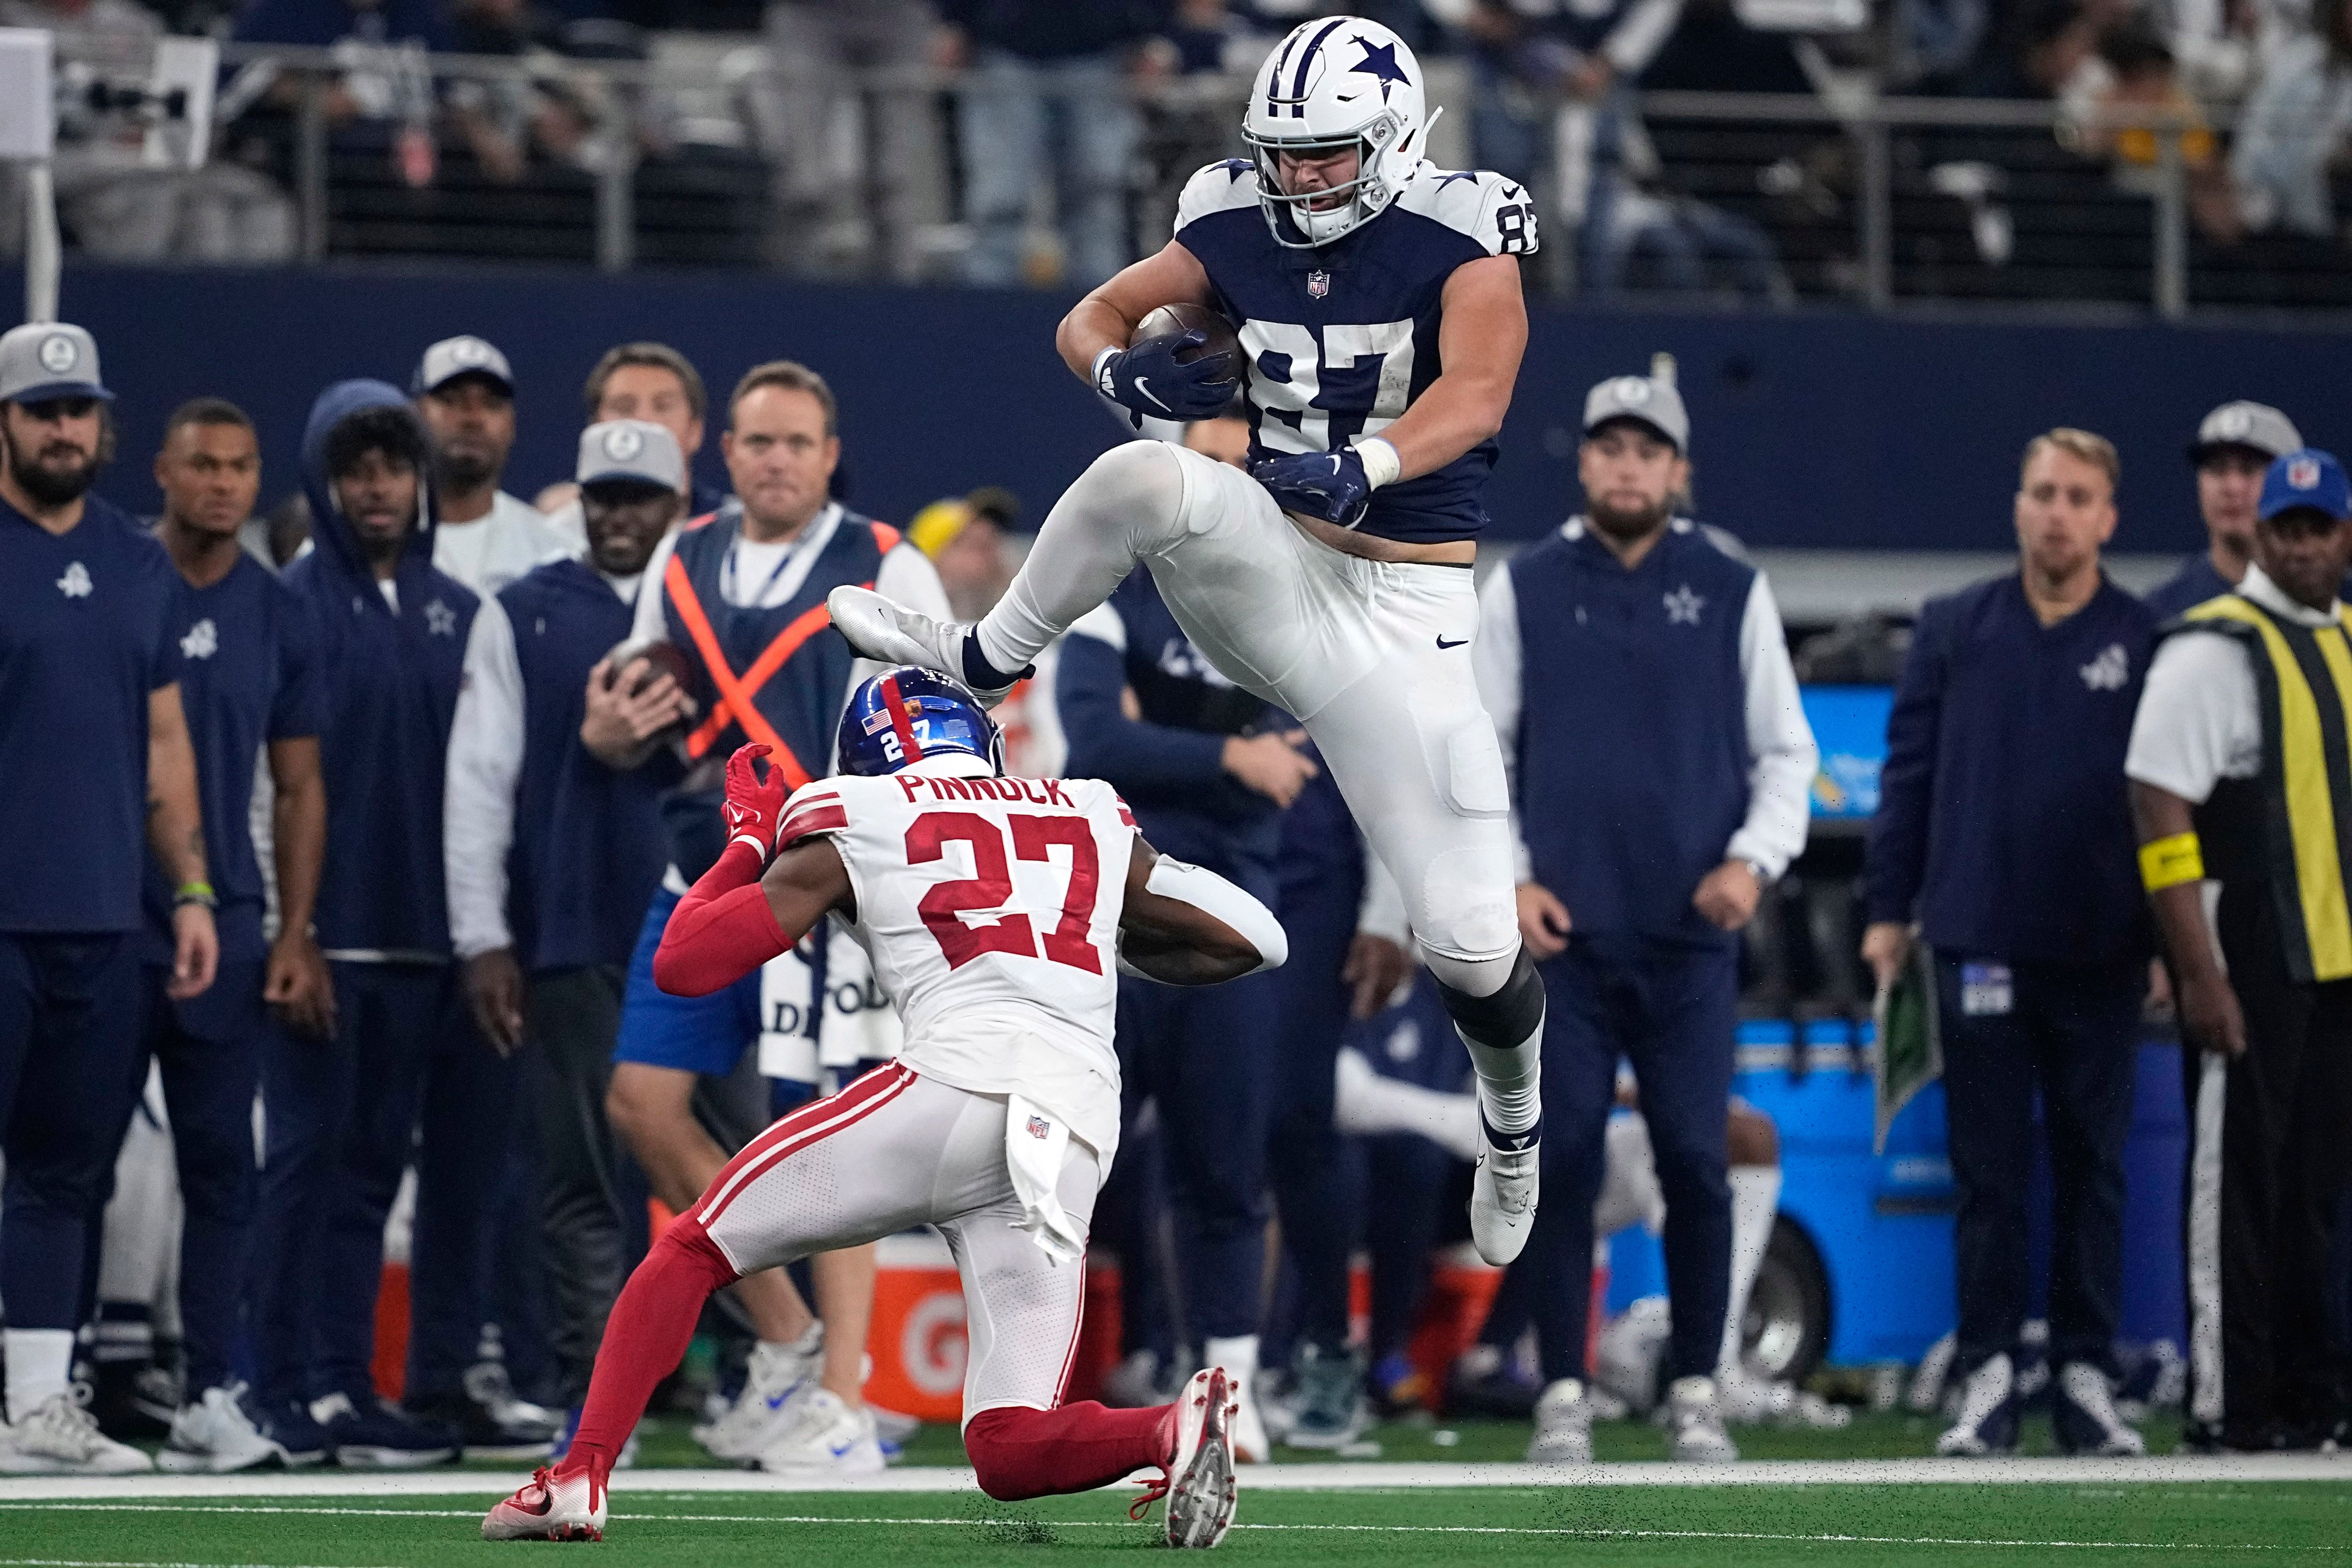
1835,1527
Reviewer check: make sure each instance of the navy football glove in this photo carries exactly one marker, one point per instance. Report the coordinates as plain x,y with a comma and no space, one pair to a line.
1148,380
1332,486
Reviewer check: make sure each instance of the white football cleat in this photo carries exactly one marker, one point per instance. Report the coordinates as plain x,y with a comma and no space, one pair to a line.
1563,1434
59,1438
551,1508
886,631
1502,1194
825,1437
215,1435
1199,1484
777,1375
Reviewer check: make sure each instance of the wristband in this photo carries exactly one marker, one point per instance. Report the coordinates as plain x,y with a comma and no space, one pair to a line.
1100,372
2168,862
761,850
195,892
1381,464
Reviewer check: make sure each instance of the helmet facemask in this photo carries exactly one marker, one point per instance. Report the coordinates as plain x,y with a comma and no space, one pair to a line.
1324,215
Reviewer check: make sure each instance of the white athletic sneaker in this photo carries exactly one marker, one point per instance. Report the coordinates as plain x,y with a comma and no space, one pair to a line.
550,1508
825,1437
60,1438
1694,1433
1199,1485
2085,1418
214,1436
1563,1425
1503,1199
881,629
761,1412
1988,1420
1251,1446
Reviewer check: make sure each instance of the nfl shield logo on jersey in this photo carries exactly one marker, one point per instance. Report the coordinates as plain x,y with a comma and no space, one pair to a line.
1319,284
1038,1127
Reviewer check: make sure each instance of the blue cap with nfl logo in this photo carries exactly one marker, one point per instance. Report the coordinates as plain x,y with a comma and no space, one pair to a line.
2309,478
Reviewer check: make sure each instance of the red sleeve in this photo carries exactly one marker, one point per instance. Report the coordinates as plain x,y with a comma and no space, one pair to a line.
722,931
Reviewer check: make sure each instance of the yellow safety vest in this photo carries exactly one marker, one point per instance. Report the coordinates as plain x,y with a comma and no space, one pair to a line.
2305,836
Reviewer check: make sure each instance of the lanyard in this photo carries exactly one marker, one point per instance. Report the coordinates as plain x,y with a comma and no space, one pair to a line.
792,553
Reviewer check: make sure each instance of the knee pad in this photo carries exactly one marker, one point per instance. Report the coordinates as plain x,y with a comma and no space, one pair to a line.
1504,1019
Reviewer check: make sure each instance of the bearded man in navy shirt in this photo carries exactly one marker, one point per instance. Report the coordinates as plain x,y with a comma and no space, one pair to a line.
2004,832
93,747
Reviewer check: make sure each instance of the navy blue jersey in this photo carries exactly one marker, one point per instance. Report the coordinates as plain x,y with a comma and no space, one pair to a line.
249,674
86,630
1339,339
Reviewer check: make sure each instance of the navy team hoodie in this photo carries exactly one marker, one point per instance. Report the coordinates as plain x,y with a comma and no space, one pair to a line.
390,682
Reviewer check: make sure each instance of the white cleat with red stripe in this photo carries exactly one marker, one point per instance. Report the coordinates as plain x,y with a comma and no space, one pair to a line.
551,1508
1200,1490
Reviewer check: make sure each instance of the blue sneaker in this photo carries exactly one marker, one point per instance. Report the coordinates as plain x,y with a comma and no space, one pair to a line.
570,1429
303,1440
370,1434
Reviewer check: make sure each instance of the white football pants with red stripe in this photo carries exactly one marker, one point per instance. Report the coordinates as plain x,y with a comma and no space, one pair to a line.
895,1151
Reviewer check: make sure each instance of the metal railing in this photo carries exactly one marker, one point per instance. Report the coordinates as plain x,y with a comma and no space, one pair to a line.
629,94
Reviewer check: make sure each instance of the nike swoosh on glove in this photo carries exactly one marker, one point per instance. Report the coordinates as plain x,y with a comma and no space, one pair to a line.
754,807
1149,379
1332,486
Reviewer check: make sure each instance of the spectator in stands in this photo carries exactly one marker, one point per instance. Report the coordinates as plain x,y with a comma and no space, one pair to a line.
642,381
342,1117
506,120
548,954
2234,448
748,588
1661,770
380,96
249,681
1045,99
2133,74
864,220
485,537
94,750
1207,769
2003,833
113,203
2293,126
2237,794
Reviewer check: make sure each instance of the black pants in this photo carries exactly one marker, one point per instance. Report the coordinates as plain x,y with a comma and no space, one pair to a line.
2270,1152
1310,1189
2071,1033
593,1194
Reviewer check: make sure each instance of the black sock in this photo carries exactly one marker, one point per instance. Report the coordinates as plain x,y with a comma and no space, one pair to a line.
982,676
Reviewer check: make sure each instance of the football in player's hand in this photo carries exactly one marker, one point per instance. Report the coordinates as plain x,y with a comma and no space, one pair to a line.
1222,343
641,661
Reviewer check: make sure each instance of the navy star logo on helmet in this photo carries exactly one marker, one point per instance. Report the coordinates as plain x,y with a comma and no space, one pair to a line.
1379,61
59,353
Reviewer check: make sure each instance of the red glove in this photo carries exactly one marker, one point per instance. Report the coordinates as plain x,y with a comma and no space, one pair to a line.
754,808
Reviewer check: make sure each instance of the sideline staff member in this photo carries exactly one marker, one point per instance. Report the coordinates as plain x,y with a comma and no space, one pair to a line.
2234,448
2237,765
2001,823
93,745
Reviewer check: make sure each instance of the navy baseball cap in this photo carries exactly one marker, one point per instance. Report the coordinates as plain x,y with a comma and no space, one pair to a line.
2308,477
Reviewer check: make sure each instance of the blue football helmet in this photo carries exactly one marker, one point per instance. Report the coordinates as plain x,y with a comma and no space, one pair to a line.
906,714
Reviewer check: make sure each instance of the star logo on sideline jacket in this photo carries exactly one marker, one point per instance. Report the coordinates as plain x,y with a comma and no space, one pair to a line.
75,583
2110,672
203,640
1683,606
440,620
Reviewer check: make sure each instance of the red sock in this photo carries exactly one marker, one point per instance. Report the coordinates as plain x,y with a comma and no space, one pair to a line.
1022,1453
643,1340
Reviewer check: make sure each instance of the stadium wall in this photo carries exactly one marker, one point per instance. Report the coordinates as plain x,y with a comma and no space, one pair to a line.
1828,430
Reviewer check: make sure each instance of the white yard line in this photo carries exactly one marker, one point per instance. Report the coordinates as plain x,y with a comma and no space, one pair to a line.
1415,1476
981,1522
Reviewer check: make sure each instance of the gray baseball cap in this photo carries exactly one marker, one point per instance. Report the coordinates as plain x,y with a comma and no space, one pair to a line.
2256,426
631,449
466,354
1654,403
44,359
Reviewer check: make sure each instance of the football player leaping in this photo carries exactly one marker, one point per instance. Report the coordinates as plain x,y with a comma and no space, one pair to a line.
1381,326
998,912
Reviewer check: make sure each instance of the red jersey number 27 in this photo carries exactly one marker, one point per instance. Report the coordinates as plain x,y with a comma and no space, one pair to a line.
990,886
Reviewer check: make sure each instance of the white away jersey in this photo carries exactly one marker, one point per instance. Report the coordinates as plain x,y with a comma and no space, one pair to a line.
991,907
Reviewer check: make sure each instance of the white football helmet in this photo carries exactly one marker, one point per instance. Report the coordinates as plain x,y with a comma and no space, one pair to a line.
1335,82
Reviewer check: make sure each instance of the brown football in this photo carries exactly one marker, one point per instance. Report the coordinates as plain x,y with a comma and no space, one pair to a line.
1175,320
640,661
